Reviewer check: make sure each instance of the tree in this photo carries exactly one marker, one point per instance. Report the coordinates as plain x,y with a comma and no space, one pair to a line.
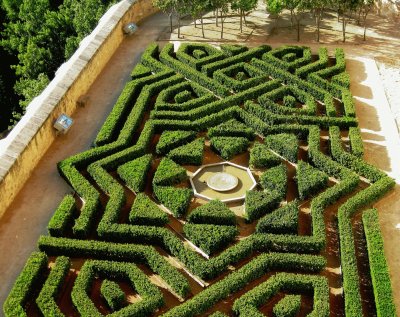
365,8
243,6
345,7
168,7
319,8
197,9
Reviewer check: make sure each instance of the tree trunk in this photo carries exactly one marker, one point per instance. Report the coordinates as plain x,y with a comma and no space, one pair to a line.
244,18
318,17
344,27
222,25
179,26
241,22
338,15
365,26
298,29
195,22
202,26
216,17
170,21
291,18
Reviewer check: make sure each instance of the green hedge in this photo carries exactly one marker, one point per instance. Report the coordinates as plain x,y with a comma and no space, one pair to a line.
284,144
321,63
353,162
262,157
228,147
245,56
198,54
309,180
166,56
152,298
172,139
177,200
226,75
380,276
288,306
215,212
232,128
210,238
281,221
62,217
238,279
268,101
275,179
288,57
46,300
169,173
247,304
25,285
191,153
135,173
356,142
118,251
145,212
113,294
257,204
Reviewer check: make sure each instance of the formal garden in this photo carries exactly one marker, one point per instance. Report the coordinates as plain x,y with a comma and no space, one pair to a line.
139,238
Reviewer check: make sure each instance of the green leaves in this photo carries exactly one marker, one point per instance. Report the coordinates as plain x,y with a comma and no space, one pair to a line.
258,204
284,144
281,221
169,173
134,173
309,180
191,153
210,238
228,147
172,139
261,156
145,212
214,212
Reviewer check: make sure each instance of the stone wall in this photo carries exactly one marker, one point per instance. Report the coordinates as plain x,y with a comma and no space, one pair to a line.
32,136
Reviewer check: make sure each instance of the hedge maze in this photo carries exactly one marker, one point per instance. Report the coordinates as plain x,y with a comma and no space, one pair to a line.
132,240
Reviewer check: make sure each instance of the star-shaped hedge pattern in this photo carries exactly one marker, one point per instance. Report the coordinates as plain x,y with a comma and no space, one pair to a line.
134,240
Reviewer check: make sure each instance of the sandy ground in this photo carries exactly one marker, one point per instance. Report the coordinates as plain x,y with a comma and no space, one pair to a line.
27,218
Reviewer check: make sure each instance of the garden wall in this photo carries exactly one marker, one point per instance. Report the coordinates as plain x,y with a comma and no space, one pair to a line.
32,136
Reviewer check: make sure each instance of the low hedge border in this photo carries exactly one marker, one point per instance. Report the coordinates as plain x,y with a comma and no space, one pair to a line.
240,278
288,306
186,49
46,300
152,298
25,285
379,269
247,305
62,217
113,294
118,252
356,142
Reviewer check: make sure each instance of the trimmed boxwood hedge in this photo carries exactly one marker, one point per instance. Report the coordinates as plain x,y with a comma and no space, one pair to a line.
215,212
231,128
46,300
228,147
288,306
62,217
169,173
191,153
309,180
284,144
378,266
145,212
262,157
208,237
281,221
134,173
275,179
113,294
25,285
172,139
257,204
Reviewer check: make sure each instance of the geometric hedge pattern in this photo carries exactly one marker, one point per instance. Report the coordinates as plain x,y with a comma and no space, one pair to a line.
133,241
